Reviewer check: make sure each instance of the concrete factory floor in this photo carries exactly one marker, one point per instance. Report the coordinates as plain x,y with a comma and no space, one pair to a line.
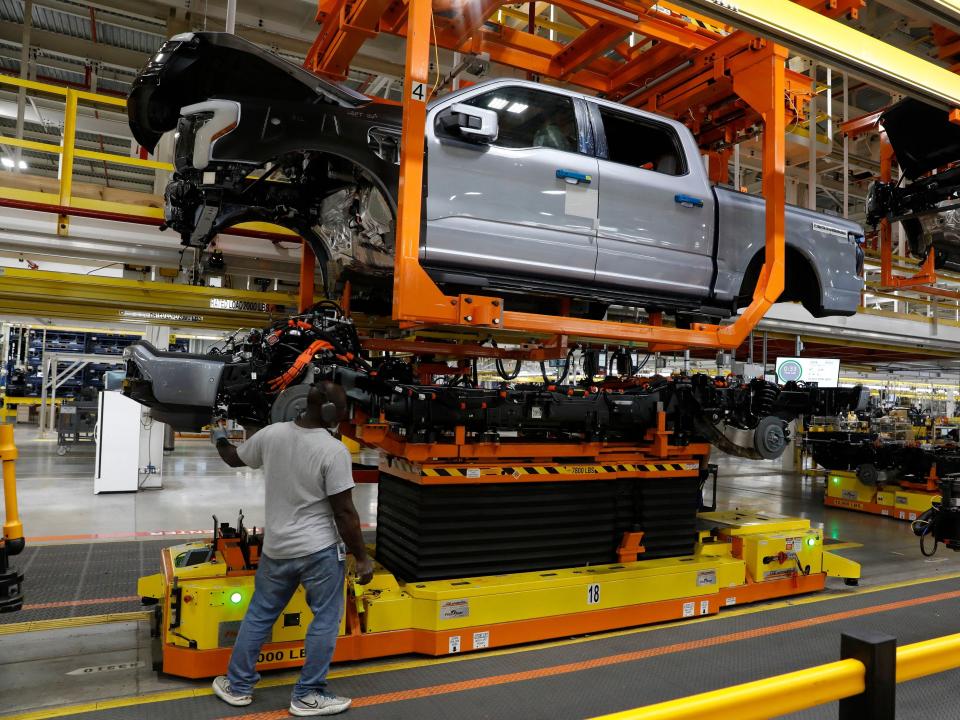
85,552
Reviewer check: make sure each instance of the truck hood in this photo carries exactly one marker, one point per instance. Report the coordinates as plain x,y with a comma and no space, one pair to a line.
194,67
922,136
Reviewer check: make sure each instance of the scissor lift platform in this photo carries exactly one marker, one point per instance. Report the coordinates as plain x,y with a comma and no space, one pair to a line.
740,557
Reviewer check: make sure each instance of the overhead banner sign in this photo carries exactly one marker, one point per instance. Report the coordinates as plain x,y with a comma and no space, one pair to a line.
825,372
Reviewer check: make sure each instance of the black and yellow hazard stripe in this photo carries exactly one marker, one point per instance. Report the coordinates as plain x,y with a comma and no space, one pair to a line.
658,467
518,470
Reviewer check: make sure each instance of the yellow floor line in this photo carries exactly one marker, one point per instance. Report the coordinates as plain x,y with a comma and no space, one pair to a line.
372,669
58,623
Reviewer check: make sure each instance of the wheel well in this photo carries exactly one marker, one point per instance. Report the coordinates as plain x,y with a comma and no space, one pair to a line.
801,283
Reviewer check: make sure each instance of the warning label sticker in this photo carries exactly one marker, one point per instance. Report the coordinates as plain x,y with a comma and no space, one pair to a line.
481,640
689,609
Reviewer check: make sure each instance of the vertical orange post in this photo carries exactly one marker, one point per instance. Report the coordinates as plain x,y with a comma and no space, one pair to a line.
308,264
410,282
927,273
886,231
762,84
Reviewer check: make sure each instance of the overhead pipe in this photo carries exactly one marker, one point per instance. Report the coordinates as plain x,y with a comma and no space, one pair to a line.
656,81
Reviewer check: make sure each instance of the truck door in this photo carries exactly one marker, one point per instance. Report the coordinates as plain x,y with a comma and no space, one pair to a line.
524,205
655,233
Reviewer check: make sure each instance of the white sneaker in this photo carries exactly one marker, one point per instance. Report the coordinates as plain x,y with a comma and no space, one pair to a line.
221,687
315,703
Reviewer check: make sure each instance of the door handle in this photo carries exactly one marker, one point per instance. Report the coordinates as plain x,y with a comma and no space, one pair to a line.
688,201
573,177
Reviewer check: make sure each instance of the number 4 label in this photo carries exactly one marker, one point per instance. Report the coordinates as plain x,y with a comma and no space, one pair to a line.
418,92
593,594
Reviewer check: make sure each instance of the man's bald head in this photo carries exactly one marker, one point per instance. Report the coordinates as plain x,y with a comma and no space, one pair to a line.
326,392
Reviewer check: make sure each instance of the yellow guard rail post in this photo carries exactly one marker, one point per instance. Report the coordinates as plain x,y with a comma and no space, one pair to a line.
863,681
11,581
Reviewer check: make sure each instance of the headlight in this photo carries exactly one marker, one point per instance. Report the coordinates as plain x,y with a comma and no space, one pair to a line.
204,123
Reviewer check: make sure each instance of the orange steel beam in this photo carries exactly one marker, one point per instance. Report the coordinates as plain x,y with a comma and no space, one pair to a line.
622,48
647,25
470,17
590,44
938,292
698,89
533,53
646,66
863,125
308,262
835,8
927,274
758,77
342,33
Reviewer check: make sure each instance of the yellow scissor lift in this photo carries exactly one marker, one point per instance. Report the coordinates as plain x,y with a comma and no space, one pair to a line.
748,556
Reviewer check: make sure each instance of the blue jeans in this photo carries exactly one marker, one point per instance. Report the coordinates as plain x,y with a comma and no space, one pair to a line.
322,577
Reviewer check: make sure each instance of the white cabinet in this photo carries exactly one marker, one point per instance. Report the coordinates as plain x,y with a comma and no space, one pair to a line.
129,446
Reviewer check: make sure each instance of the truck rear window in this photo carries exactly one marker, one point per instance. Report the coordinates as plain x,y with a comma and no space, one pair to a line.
642,144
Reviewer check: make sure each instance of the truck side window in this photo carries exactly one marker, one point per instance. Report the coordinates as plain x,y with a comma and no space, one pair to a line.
530,118
641,143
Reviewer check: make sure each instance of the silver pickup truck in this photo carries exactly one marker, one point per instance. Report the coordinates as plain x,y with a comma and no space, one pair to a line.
530,191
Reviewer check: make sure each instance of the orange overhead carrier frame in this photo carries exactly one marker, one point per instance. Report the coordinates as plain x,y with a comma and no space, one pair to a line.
753,70
720,78
758,77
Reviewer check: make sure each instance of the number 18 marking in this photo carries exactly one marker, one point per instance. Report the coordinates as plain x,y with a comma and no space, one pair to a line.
593,594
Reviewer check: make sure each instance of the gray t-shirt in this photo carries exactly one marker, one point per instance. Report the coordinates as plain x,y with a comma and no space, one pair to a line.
302,467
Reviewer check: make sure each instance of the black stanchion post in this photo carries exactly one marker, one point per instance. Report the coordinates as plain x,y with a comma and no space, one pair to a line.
878,653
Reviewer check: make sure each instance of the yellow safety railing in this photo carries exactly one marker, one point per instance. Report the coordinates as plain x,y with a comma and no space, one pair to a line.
800,690
68,149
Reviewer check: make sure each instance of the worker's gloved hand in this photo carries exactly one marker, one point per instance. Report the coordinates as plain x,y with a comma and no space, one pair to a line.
218,432
364,570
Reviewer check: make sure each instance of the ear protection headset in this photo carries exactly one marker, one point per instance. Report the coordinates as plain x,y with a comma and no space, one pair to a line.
328,412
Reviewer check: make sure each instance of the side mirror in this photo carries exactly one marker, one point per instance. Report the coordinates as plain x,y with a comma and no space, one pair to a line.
473,124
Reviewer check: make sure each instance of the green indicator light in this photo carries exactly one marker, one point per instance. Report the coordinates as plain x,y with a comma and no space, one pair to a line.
811,541
236,598
836,480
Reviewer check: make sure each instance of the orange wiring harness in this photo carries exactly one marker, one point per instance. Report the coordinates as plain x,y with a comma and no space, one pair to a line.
293,372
